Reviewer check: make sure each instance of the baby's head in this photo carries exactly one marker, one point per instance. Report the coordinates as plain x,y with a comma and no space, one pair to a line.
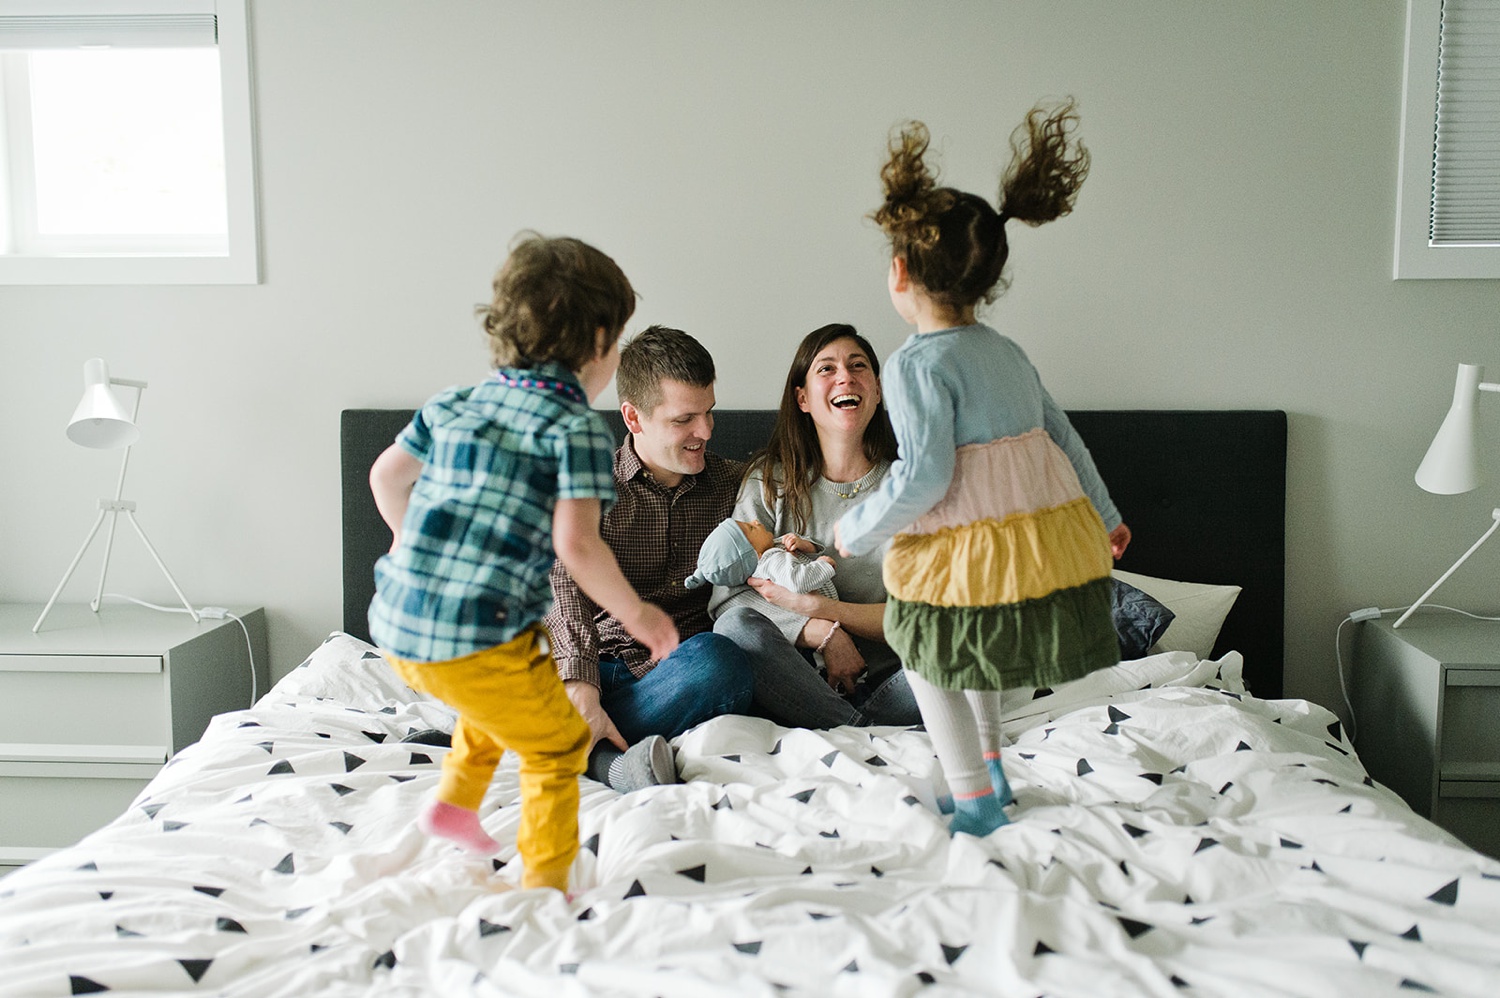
730,553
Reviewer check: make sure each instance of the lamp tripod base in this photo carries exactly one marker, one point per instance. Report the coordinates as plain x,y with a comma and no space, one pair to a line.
1444,577
111,508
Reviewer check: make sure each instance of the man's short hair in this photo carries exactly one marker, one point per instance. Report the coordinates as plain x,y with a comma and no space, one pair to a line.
654,355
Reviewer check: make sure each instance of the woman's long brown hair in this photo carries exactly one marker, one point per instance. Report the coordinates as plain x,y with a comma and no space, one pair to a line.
792,460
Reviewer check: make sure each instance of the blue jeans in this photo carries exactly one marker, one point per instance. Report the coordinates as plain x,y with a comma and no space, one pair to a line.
789,691
706,676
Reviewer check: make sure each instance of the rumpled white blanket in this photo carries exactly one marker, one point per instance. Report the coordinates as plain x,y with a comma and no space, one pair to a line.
1172,835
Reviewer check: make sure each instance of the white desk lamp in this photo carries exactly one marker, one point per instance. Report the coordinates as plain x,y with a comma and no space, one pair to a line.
1452,463
100,421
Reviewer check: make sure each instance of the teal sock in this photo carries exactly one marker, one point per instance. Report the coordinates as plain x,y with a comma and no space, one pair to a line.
998,782
977,816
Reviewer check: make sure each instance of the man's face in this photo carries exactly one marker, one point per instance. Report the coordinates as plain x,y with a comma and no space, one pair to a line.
671,440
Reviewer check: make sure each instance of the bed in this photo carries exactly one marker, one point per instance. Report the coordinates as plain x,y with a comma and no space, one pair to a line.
1179,828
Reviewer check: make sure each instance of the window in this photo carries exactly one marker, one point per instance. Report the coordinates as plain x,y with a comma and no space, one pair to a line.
1448,196
125,143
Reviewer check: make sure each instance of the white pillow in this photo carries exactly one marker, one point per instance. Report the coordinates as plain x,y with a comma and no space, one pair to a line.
1200,610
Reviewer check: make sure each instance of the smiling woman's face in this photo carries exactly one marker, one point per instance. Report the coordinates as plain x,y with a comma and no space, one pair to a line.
840,391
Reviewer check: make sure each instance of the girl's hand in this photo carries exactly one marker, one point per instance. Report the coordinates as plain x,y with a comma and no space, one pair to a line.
1119,540
806,604
838,545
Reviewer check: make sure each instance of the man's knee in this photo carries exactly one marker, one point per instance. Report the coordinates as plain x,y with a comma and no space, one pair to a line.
718,662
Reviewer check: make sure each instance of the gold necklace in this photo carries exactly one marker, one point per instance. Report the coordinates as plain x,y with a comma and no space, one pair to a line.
859,484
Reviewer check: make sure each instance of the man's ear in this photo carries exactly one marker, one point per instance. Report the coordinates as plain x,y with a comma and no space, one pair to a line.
632,417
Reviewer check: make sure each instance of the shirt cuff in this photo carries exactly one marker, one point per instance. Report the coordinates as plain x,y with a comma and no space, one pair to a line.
570,669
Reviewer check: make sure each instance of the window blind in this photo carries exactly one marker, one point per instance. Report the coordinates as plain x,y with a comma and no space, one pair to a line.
28,24
1466,156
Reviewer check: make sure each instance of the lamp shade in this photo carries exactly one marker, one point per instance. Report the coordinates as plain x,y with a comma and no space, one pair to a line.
100,420
1452,462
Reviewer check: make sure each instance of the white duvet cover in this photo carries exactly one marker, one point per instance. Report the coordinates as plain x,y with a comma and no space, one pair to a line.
1172,836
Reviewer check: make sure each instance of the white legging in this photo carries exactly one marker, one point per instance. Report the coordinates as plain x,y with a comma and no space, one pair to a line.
964,726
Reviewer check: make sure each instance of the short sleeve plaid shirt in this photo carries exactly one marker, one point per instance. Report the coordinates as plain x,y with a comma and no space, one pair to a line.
476,543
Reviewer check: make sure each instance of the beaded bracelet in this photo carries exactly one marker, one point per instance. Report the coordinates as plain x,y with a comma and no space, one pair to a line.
827,637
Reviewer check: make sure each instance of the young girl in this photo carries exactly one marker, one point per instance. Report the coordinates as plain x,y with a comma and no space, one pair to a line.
1001,529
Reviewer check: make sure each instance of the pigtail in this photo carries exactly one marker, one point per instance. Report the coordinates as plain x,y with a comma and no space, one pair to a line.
907,215
1046,170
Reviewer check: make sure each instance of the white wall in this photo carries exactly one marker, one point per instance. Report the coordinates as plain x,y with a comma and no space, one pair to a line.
1232,248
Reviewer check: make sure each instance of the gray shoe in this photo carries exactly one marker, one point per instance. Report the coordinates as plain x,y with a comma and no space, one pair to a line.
647,763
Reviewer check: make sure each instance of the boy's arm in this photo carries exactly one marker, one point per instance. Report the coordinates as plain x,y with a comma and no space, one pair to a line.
593,569
392,476
575,536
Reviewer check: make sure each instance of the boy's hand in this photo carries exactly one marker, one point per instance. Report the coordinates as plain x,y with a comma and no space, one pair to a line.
653,628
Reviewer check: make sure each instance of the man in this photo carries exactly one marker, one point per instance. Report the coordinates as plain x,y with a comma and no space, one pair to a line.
671,493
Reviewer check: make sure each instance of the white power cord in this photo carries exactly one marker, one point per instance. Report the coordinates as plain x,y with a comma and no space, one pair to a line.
208,613
1375,613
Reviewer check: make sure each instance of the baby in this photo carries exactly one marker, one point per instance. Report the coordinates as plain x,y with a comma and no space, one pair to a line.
736,550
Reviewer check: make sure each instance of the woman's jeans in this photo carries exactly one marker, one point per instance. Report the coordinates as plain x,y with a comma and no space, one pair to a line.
789,691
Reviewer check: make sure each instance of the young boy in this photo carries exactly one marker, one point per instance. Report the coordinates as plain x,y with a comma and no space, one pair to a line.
480,491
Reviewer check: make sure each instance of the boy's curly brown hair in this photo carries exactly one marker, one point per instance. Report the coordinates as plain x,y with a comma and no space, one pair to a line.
552,296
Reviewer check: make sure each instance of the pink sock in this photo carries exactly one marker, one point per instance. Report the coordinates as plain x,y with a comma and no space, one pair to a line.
458,825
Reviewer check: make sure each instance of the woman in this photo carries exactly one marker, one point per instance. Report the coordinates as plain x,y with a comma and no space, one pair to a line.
831,446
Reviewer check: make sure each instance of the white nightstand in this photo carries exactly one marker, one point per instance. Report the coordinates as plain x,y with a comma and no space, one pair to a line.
1427,699
96,703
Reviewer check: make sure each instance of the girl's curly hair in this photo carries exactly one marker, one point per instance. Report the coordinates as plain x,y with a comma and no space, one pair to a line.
954,242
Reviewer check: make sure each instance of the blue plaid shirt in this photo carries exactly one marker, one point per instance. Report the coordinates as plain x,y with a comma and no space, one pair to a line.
476,543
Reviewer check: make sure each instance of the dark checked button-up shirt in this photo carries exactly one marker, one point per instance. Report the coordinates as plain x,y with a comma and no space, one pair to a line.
655,533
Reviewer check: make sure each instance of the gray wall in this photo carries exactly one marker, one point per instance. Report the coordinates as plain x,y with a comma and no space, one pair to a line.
1232,248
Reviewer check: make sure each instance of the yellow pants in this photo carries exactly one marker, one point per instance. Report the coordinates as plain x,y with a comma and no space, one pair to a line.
509,697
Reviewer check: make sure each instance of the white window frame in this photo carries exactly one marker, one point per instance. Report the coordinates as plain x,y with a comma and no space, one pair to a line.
242,263
1416,256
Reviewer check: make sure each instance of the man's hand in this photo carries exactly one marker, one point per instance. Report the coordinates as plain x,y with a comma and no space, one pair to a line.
585,699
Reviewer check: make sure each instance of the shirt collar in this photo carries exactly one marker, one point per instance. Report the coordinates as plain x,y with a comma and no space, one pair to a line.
628,468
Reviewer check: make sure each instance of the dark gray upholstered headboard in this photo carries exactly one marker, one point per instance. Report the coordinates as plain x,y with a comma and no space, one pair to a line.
1204,493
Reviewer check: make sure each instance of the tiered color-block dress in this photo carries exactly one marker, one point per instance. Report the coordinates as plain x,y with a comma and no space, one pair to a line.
998,568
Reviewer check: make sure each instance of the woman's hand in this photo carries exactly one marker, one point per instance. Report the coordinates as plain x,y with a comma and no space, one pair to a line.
1119,540
806,604
844,662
